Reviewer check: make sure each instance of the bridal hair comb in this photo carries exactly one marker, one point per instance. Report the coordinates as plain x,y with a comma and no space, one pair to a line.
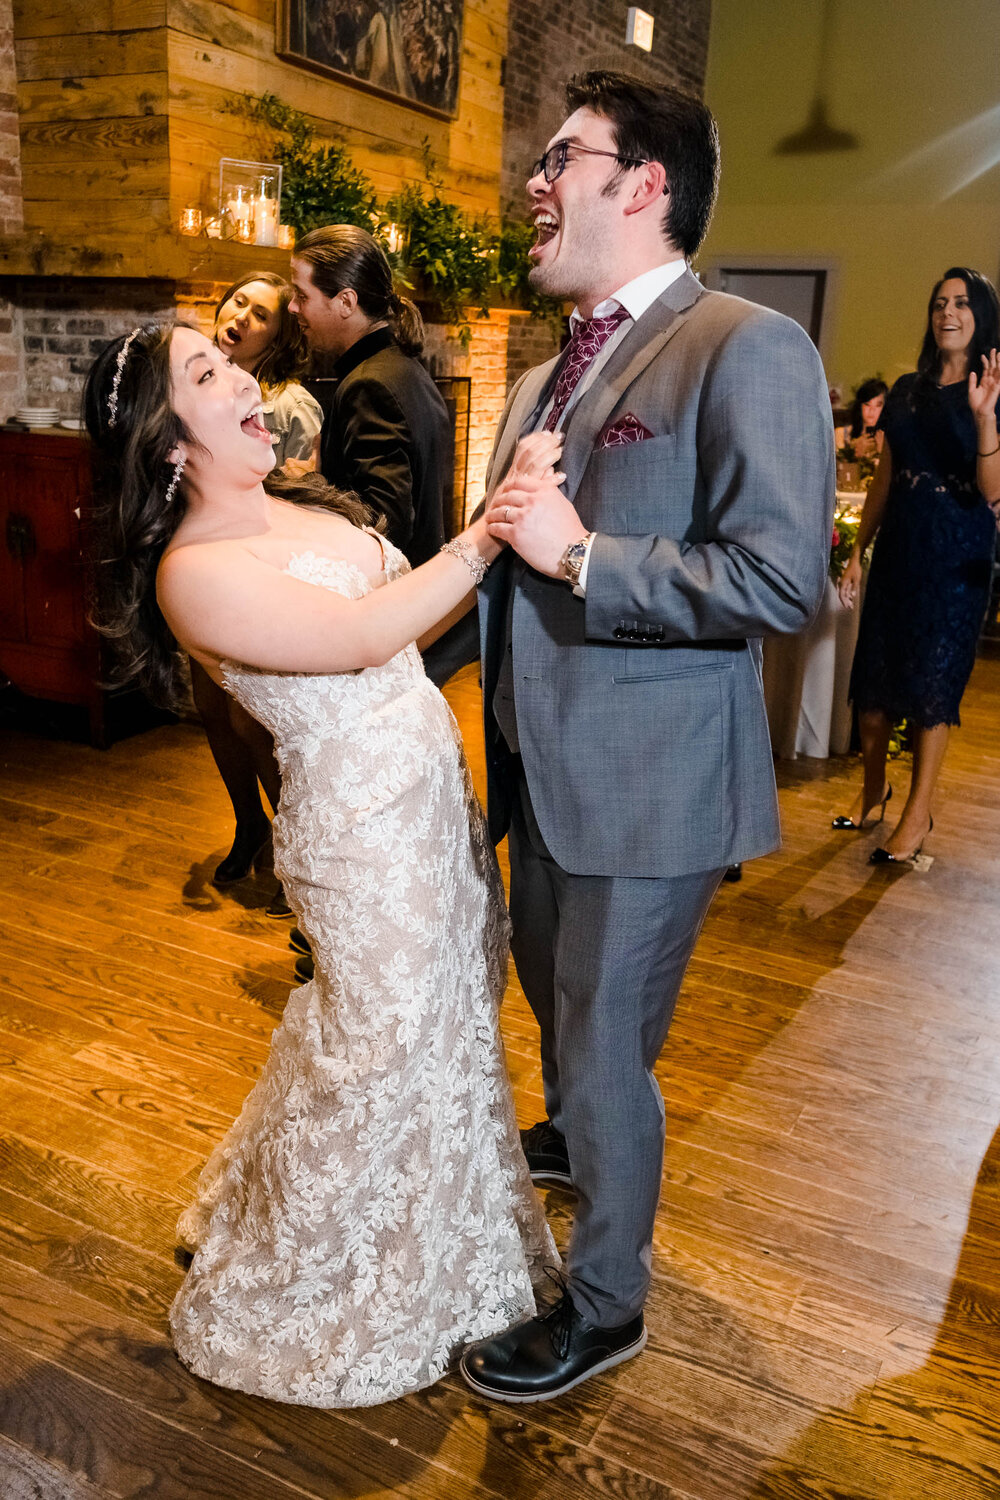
116,382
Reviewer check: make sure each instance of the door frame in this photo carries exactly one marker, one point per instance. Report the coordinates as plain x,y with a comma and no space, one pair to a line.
714,268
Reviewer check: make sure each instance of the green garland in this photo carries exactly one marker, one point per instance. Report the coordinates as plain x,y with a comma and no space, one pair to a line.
461,258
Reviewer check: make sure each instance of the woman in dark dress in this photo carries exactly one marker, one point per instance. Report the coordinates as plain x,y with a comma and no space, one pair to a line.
934,504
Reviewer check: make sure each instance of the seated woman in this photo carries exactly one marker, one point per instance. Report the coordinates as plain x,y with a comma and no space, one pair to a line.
370,1213
255,330
861,432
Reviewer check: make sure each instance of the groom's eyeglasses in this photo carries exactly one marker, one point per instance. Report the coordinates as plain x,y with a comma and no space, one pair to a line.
553,163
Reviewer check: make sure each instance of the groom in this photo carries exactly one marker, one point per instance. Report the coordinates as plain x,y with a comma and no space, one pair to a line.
627,743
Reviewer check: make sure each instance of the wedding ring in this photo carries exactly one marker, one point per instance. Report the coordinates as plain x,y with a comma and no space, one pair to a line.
506,515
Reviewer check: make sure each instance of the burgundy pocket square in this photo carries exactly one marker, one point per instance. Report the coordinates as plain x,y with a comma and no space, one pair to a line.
628,429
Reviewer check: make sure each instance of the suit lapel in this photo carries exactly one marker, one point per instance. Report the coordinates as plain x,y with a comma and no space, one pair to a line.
521,417
644,342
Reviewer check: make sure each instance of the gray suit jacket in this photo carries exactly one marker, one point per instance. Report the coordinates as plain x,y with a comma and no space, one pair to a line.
639,709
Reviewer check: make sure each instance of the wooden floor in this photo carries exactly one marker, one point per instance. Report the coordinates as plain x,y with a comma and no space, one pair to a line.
825,1310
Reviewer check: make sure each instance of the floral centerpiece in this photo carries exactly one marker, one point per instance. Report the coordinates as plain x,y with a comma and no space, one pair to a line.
862,467
845,534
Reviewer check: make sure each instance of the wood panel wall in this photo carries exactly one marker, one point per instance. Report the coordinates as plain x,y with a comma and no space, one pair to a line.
92,101
123,115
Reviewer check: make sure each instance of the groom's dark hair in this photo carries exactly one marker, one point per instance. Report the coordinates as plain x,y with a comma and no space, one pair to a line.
666,125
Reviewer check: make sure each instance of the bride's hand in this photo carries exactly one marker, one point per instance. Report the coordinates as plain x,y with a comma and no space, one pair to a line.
488,547
538,455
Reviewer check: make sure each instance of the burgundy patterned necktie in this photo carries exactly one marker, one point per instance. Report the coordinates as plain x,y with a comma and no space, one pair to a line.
586,341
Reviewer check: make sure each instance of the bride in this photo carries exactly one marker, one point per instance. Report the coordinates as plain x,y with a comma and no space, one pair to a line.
370,1212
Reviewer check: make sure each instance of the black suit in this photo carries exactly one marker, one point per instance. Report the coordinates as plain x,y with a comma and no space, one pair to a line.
388,438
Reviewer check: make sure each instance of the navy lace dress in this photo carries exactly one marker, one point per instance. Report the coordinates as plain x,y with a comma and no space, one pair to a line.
928,586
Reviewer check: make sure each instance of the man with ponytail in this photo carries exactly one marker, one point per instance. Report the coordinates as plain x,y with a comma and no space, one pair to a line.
387,435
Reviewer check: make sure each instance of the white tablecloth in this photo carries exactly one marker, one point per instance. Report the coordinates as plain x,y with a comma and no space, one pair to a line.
805,682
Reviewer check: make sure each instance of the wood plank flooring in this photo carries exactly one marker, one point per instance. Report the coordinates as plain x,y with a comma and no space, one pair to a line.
825,1312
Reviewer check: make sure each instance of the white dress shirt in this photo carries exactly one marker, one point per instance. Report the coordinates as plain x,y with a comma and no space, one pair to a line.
635,297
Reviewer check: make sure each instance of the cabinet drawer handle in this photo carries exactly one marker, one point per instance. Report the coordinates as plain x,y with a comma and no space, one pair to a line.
21,541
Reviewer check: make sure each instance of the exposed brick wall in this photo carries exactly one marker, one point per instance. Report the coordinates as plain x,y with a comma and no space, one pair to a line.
486,362
11,204
65,323
532,341
56,327
11,358
548,43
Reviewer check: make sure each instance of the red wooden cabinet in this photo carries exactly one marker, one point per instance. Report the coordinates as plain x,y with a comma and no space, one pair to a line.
47,648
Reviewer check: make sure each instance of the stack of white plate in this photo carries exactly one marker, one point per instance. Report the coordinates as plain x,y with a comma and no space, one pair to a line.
37,416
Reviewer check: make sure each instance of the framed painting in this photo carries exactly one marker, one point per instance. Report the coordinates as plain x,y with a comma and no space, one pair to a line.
409,50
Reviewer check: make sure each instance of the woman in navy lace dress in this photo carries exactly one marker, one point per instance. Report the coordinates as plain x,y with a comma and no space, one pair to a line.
934,503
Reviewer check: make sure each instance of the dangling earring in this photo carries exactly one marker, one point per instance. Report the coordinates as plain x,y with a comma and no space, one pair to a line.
175,480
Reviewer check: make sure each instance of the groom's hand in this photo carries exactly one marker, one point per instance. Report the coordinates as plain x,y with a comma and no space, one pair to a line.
535,518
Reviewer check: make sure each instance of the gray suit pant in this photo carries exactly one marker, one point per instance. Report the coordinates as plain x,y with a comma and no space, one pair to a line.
601,960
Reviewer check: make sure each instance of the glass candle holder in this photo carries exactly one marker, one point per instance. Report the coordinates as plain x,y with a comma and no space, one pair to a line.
250,195
286,237
190,220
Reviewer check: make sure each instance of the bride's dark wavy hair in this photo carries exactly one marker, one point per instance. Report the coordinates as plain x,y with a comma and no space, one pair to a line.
133,520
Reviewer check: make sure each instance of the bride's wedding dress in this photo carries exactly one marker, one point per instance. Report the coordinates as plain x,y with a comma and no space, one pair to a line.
370,1212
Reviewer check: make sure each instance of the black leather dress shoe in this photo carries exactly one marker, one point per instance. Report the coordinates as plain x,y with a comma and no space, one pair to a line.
278,905
304,968
298,940
549,1355
545,1152
733,874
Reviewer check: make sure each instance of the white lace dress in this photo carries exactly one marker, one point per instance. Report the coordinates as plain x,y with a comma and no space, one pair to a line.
370,1213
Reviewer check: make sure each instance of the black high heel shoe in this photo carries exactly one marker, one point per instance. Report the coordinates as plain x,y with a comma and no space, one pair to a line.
241,859
845,824
882,856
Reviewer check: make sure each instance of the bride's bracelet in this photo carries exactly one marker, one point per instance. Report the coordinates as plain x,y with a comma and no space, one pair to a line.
477,566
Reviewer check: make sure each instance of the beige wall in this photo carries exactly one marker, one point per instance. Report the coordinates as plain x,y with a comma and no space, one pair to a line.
919,84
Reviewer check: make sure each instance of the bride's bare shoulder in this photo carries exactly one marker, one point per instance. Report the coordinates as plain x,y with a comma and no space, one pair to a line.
202,554
199,571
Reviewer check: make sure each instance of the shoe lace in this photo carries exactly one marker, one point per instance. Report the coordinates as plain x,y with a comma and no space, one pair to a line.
559,1317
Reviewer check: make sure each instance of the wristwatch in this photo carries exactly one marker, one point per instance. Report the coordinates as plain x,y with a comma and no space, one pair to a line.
573,559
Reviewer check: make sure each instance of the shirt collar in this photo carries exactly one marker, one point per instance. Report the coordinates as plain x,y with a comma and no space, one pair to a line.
638,294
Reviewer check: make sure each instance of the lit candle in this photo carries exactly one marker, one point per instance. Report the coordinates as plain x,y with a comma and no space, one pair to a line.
190,221
266,220
286,236
394,237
